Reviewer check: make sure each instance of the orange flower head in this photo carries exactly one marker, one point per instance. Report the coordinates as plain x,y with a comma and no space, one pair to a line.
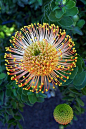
40,55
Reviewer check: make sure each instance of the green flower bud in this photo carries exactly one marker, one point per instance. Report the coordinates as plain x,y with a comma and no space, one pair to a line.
75,18
63,114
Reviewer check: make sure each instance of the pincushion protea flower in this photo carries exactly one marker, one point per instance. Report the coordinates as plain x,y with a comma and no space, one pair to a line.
40,52
63,114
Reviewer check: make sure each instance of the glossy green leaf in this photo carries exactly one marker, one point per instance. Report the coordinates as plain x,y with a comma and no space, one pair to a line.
72,95
76,112
11,121
19,125
10,112
17,117
19,90
77,30
71,12
14,104
84,91
21,109
73,73
14,92
79,79
78,108
65,21
82,110
32,98
58,14
40,99
67,82
30,93
73,90
79,63
70,4
67,98
42,95
2,75
21,104
80,102
83,84
21,116
75,118
9,125
28,103
56,7
52,16
0,69
1,95
80,23
25,92
24,98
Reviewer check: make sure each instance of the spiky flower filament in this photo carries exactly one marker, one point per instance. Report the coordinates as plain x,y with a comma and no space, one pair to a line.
63,114
40,52
38,58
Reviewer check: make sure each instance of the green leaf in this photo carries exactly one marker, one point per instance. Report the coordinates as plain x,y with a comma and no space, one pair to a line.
0,69
8,92
19,90
73,73
75,118
67,82
42,95
30,93
83,84
73,90
14,92
1,95
2,75
40,99
56,7
9,126
58,14
52,16
65,21
70,4
79,79
72,95
80,102
21,116
25,92
77,112
32,98
82,110
28,103
10,111
78,108
11,121
79,63
71,12
17,117
80,23
14,104
21,109
68,98
77,30
19,125
21,104
83,91
24,98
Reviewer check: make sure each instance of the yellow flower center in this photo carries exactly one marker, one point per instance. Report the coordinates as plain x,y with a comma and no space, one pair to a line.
40,58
